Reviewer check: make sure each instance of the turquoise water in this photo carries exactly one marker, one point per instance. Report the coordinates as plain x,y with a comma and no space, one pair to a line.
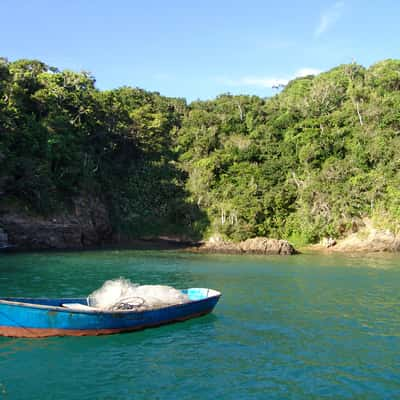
302,327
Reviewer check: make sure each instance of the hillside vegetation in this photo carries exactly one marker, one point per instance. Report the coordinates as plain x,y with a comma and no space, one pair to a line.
312,161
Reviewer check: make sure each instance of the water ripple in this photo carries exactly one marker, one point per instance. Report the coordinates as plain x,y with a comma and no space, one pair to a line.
304,327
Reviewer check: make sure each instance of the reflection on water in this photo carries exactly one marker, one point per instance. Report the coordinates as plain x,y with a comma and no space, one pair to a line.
302,327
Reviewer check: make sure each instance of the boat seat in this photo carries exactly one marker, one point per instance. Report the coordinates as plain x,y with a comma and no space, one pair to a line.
79,306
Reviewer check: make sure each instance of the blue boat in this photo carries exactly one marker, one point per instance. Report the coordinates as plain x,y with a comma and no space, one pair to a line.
42,317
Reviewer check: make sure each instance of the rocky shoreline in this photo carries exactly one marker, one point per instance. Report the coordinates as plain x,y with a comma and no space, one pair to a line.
87,226
257,245
87,230
368,239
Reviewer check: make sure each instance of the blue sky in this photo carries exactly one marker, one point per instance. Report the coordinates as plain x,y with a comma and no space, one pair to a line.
199,49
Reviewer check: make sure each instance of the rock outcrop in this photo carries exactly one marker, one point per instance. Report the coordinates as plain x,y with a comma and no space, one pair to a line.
367,239
328,242
371,240
262,245
87,224
258,245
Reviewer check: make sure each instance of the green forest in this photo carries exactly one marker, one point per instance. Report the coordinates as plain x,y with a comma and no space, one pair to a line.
309,162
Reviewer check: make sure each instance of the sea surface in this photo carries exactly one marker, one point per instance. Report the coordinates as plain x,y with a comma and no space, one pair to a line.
300,327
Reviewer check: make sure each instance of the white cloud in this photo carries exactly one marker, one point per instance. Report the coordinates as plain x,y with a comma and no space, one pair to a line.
268,81
328,18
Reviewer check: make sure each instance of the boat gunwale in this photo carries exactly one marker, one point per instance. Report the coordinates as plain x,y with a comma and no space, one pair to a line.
99,311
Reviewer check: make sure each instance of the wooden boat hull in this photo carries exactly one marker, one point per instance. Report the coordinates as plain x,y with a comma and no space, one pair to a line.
46,317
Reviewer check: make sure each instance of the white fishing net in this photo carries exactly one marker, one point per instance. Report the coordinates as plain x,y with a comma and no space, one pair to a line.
122,294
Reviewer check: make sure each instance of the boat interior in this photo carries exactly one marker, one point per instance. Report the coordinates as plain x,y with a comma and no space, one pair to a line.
81,303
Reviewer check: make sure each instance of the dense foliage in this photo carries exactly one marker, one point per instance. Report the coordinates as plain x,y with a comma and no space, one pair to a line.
312,161
60,137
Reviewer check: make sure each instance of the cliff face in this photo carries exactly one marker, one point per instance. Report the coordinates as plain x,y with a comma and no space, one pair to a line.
86,225
3,239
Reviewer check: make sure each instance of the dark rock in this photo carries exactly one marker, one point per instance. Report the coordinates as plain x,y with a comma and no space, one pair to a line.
262,245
